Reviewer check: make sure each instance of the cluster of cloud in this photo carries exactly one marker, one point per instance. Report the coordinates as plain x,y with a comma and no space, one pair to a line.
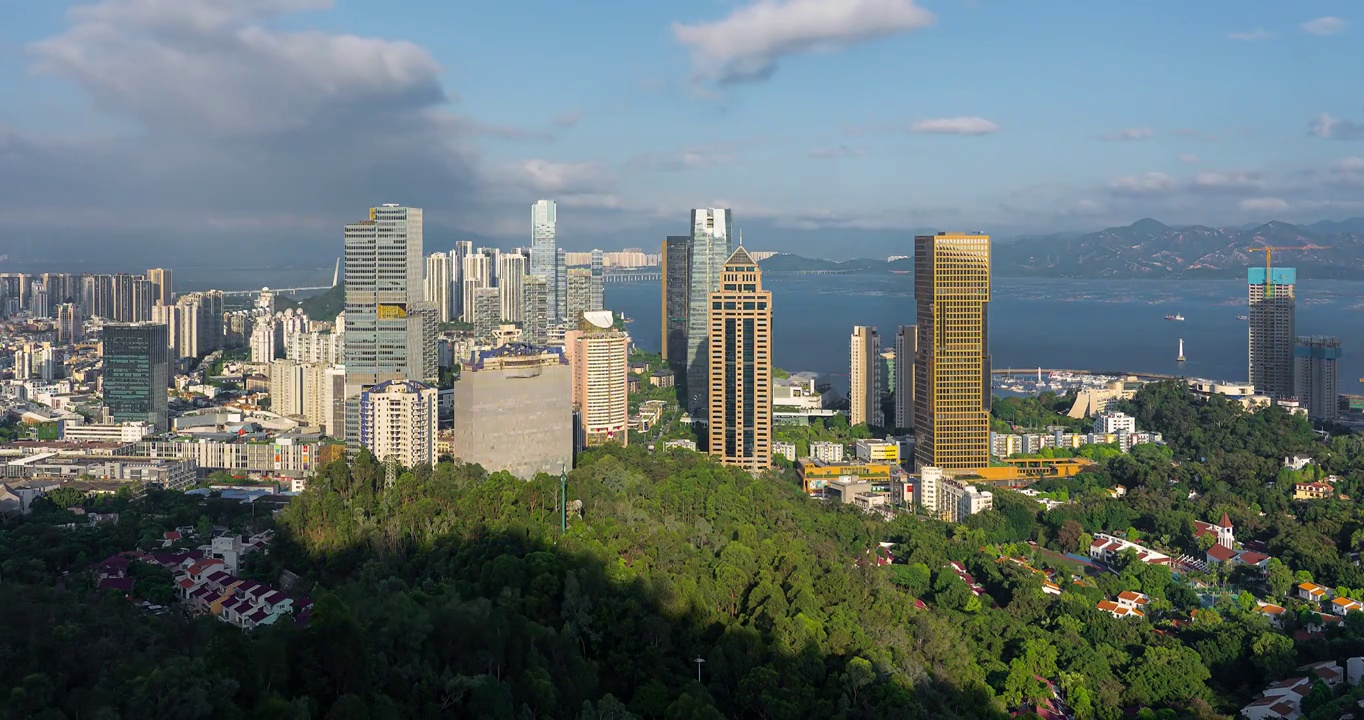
746,45
969,125
1328,25
1331,128
1128,135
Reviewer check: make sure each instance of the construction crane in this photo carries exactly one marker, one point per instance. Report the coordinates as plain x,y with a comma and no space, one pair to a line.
1268,250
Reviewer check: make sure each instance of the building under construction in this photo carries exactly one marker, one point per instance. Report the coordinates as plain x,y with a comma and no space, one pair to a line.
1273,303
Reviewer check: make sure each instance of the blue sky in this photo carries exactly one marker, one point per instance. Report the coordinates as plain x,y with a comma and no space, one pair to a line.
190,118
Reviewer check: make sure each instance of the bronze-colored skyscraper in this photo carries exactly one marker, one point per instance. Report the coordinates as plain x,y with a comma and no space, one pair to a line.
952,361
740,397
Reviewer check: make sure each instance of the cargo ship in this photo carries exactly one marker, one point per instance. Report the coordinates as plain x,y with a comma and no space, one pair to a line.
1176,316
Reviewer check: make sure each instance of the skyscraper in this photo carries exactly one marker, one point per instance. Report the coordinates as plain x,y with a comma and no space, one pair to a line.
383,284
474,277
1314,376
144,298
676,275
487,312
952,362
438,284
864,394
463,249
579,296
906,346
598,355
535,325
560,284
162,291
740,367
69,324
711,245
511,285
598,299
543,250
1272,311
136,372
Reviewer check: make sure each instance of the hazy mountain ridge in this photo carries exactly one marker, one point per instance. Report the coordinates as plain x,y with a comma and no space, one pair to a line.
1148,248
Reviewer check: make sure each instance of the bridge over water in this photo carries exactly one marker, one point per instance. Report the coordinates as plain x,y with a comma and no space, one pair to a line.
1112,373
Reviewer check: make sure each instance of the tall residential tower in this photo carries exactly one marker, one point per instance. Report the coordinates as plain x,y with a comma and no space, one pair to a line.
864,393
952,363
543,249
1273,301
676,284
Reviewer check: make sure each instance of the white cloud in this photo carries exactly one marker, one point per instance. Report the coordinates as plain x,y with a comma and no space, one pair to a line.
1268,204
1188,158
552,178
1325,26
1128,135
955,126
1256,34
1325,126
1228,181
1351,164
837,152
568,119
1151,183
746,45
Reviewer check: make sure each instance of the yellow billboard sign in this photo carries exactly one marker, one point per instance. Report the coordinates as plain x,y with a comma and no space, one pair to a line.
392,311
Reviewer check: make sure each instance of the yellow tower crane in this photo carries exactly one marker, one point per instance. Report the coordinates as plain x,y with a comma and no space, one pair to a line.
1268,250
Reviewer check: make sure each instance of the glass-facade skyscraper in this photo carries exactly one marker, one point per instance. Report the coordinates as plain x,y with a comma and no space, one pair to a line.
383,289
544,258
711,244
676,285
136,372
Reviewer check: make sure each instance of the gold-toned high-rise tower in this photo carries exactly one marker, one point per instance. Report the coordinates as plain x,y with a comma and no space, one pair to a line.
952,361
740,390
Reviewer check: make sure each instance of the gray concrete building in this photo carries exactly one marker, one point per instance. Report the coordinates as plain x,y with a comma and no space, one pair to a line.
514,410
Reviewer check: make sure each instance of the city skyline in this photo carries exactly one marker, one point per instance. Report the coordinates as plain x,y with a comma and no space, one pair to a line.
165,162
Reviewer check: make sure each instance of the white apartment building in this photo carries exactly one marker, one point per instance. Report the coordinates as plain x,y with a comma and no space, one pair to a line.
119,432
864,394
439,283
829,452
263,341
948,499
1114,423
398,420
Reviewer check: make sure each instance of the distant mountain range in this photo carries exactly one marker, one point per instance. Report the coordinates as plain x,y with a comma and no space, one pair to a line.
1151,249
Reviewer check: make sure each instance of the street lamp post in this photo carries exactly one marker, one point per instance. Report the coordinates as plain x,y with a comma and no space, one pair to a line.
699,660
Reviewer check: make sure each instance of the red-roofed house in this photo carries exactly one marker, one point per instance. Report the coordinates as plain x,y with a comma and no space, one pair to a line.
1119,611
1133,600
1329,671
1253,559
169,538
1218,554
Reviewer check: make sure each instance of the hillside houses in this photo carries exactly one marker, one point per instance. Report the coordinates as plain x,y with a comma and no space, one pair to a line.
207,584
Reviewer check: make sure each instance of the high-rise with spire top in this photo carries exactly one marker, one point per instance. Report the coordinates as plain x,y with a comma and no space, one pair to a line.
740,366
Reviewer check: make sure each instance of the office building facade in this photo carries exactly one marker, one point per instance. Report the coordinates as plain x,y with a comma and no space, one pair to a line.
1315,361
579,285
1272,313
398,422
740,366
952,362
383,285
711,245
864,392
136,372
676,274
70,324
